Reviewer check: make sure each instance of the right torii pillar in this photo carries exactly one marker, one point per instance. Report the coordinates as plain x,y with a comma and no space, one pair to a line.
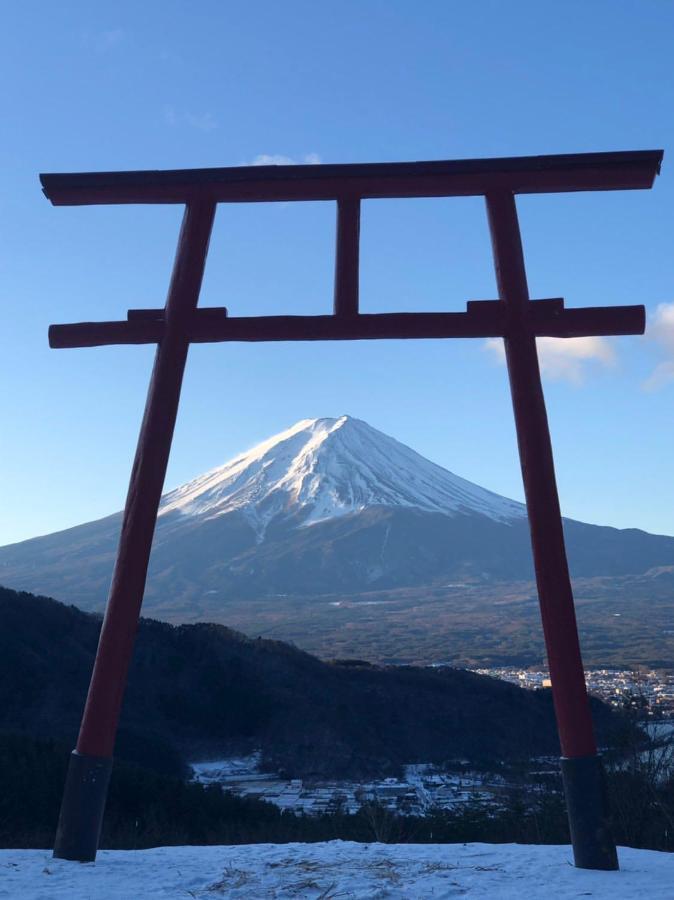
582,770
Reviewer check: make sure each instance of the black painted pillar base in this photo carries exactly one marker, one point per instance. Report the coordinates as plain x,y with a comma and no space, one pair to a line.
588,811
82,807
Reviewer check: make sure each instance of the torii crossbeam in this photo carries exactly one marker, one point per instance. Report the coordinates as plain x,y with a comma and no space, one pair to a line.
514,317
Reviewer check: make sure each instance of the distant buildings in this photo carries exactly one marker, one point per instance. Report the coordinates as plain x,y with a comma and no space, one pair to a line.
423,788
650,690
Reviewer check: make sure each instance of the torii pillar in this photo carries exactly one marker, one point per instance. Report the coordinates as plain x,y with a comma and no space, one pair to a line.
514,317
584,784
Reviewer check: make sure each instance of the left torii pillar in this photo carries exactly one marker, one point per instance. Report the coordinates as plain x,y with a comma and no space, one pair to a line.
90,764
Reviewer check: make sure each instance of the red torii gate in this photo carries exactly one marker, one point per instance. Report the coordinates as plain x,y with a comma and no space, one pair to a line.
513,317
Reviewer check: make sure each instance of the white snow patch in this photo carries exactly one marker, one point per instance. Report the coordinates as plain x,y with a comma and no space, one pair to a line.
337,869
322,468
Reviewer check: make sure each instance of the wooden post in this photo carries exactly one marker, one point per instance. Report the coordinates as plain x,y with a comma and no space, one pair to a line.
581,767
346,257
91,762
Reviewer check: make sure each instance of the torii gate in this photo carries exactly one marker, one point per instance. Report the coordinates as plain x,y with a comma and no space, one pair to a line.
513,317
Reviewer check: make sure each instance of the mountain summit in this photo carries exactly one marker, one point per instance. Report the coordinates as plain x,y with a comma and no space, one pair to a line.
323,468
329,506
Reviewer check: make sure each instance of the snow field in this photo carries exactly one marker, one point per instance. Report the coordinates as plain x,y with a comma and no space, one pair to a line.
336,870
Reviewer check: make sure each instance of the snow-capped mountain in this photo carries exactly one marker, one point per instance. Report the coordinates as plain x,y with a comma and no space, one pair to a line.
328,506
323,468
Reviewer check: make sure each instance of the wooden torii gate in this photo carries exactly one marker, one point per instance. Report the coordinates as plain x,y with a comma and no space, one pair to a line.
514,317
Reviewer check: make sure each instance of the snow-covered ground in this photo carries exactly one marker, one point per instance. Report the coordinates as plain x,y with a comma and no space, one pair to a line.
338,870
661,731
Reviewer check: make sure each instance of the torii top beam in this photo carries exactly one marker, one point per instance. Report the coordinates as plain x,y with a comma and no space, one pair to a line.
348,184
624,170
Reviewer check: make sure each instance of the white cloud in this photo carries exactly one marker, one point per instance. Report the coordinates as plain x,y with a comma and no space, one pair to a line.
278,159
662,374
565,359
661,329
661,326
205,121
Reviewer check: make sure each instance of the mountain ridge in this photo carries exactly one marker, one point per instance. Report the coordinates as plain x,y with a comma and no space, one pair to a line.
327,506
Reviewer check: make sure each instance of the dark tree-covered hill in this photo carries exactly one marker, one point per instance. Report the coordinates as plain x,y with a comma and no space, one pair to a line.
201,691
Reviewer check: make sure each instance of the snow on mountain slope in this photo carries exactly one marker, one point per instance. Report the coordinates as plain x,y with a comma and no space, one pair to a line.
323,468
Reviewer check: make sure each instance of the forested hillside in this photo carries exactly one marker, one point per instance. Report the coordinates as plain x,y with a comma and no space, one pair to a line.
199,691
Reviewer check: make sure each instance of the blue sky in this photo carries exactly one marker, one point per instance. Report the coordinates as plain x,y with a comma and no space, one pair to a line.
176,84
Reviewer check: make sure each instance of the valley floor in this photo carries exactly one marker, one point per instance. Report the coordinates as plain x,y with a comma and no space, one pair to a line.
424,788
338,870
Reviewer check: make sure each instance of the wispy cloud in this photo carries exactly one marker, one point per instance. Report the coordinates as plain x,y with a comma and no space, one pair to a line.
204,121
661,329
565,359
278,159
661,375
104,41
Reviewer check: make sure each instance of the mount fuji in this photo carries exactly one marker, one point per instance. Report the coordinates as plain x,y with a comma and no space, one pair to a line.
321,469
329,506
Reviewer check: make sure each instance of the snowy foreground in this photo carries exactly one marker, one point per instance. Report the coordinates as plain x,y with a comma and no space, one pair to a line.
336,870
